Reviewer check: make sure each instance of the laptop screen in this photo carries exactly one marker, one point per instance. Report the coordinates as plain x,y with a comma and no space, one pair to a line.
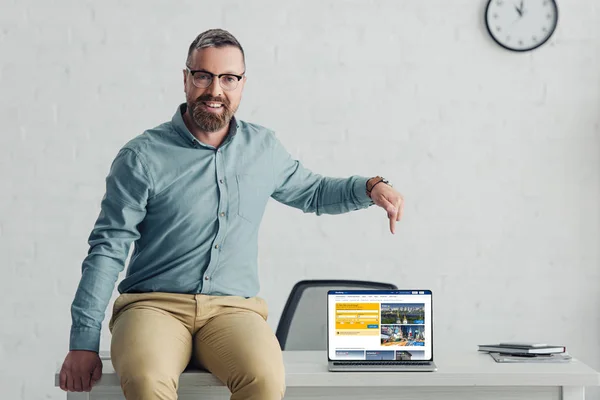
379,325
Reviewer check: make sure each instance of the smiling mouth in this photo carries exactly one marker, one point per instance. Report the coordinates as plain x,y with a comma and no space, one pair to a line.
213,105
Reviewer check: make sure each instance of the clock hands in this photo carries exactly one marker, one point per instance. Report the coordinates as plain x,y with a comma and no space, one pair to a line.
520,9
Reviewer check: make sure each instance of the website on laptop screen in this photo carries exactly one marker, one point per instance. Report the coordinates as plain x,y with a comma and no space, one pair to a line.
379,325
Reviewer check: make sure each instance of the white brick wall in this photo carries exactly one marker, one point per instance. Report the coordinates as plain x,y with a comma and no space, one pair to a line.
496,153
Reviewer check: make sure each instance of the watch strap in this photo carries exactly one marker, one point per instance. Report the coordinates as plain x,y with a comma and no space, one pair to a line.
374,181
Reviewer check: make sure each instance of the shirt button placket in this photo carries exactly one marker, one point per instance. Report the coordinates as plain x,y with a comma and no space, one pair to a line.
221,223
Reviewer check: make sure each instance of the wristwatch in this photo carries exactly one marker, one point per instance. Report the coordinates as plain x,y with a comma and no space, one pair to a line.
374,181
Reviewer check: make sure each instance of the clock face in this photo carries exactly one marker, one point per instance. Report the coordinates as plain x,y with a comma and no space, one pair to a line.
521,25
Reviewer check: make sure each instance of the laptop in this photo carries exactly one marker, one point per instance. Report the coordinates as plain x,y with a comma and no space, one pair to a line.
380,330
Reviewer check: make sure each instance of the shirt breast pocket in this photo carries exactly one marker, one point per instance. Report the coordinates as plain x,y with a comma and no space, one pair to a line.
253,194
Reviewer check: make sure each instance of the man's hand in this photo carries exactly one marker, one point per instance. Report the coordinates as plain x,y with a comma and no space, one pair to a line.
80,371
390,200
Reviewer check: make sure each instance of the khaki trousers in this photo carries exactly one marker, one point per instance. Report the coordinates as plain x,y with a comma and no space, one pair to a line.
156,335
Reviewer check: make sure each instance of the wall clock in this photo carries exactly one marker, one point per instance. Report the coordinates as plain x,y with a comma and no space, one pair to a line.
521,25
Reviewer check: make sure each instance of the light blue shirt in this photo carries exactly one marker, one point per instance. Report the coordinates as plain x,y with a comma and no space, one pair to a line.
193,211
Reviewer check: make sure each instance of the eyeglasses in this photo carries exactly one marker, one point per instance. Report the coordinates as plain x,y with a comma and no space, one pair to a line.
203,79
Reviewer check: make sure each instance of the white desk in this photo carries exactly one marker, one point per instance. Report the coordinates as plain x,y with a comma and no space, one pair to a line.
464,376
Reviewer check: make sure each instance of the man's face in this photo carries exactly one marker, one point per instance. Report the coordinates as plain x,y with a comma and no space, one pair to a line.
212,108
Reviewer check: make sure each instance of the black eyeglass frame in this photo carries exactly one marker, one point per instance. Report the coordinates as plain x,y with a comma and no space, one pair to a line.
212,76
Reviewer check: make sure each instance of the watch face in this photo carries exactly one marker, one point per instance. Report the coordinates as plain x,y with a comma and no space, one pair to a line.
521,25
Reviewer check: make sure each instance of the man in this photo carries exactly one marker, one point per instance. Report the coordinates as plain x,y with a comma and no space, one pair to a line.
191,194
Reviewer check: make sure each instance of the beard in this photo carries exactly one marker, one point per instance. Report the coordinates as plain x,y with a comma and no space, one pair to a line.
207,121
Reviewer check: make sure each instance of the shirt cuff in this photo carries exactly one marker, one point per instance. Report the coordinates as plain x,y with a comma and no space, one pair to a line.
360,191
85,339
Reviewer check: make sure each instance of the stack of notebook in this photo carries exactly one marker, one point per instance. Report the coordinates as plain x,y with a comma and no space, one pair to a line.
526,352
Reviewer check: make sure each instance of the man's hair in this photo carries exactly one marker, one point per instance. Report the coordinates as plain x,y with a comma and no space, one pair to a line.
214,38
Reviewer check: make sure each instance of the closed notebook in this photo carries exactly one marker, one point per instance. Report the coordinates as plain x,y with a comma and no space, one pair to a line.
543,358
521,349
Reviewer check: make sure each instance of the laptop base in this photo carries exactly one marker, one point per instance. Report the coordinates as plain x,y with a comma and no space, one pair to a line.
365,366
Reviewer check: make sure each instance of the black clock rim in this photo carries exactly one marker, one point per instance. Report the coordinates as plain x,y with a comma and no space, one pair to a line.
487,26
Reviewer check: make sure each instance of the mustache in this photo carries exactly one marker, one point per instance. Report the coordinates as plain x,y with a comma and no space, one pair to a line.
207,98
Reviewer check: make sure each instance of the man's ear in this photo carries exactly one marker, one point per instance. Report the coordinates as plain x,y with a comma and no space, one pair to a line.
184,79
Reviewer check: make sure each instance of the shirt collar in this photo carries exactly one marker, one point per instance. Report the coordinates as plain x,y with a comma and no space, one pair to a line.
185,133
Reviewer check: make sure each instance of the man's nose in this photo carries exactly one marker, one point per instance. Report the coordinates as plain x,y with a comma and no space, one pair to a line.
215,88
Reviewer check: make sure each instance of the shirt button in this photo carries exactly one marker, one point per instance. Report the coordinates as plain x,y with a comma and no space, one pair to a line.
222,214
216,246
221,180
206,278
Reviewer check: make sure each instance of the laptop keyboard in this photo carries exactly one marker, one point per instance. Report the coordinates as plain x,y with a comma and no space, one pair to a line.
411,363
